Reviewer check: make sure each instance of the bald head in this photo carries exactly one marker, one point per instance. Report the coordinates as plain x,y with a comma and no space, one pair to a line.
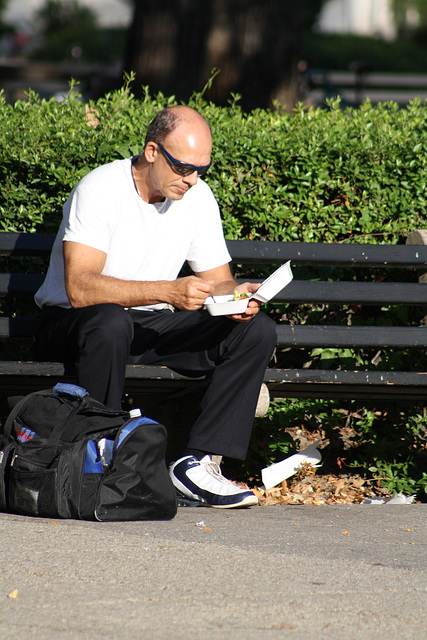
167,120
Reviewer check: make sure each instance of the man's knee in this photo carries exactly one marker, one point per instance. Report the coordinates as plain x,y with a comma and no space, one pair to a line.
264,331
109,323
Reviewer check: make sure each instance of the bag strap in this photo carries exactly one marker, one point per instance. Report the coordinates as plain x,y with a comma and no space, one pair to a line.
17,408
58,430
77,399
60,391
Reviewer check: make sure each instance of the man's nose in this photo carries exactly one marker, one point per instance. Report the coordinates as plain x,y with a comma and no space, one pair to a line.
191,179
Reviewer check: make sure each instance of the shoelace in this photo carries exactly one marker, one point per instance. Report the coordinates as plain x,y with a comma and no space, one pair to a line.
214,470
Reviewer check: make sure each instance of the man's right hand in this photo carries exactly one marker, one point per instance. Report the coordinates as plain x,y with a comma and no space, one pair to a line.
191,292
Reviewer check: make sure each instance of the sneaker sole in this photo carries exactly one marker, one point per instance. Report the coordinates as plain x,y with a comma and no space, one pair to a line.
245,504
187,502
183,501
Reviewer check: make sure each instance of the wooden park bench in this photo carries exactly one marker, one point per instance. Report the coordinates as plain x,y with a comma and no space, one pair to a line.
323,275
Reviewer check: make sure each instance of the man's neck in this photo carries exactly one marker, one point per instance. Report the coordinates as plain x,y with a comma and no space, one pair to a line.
141,180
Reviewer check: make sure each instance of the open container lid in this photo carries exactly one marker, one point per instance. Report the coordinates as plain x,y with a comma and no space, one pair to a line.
278,280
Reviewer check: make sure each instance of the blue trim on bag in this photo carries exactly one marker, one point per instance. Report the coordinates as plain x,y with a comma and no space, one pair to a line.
92,462
66,388
133,424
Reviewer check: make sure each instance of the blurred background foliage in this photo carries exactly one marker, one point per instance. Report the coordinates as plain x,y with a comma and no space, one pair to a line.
260,47
71,30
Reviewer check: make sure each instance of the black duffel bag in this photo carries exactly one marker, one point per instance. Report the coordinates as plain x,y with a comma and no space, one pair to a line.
64,454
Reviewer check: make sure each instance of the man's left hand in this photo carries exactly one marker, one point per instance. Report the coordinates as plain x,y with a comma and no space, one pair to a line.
253,305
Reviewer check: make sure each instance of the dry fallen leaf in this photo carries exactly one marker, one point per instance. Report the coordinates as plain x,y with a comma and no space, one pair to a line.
259,494
317,489
339,486
13,594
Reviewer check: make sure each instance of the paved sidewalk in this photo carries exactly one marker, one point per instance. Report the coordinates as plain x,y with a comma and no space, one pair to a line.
294,572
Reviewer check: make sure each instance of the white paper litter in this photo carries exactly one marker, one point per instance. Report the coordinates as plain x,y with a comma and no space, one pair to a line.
399,498
276,473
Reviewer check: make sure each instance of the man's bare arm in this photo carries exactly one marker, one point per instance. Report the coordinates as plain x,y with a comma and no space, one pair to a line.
87,286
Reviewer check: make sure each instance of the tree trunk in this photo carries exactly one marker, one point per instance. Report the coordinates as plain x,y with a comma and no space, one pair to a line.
173,46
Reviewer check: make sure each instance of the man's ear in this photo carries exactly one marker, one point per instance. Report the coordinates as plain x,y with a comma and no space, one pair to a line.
150,152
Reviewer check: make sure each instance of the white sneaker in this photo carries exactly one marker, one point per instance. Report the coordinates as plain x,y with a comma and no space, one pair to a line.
201,481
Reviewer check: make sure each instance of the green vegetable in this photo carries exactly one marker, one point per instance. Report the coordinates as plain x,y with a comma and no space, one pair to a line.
239,296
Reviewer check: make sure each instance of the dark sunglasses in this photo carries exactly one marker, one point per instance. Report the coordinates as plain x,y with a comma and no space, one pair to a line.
182,168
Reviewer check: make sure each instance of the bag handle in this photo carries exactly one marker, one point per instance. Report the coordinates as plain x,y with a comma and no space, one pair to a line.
16,409
60,390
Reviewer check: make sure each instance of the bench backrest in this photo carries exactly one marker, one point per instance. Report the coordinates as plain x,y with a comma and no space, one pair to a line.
407,259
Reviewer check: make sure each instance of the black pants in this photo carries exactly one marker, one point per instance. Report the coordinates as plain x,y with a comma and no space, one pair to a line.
100,340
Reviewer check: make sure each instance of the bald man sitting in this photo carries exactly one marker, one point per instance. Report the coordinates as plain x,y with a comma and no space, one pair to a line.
112,285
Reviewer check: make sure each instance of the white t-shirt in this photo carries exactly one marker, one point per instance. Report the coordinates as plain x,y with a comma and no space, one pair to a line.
144,242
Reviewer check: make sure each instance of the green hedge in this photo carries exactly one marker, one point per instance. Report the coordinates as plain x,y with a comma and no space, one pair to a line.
315,174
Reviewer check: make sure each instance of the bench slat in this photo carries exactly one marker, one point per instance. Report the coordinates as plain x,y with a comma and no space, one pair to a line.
400,386
26,244
328,254
367,293
297,292
20,282
272,376
29,368
282,383
298,336
17,327
258,251
351,336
